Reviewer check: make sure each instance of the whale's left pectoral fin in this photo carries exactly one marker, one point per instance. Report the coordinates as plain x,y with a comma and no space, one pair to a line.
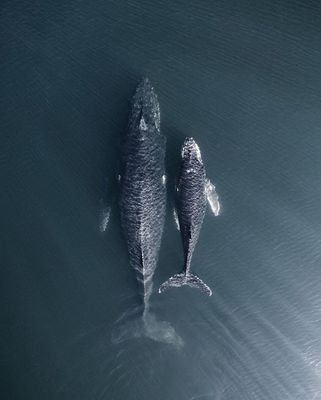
212,197
107,201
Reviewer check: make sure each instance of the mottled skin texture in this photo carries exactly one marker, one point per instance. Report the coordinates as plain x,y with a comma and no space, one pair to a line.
143,193
190,201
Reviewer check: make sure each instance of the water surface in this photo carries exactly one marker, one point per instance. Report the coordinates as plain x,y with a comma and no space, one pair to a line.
244,80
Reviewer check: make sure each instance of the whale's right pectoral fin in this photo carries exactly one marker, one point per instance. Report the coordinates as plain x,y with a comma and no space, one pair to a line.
212,197
185,279
176,219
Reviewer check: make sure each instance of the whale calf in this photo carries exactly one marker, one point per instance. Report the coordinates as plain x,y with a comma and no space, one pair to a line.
143,205
193,191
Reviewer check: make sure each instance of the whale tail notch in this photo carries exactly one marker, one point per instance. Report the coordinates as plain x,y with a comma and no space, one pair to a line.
186,279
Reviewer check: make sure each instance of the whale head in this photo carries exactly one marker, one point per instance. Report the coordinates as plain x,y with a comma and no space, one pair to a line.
190,150
145,114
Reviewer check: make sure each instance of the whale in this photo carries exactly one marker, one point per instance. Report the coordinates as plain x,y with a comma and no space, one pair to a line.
142,187
142,203
193,191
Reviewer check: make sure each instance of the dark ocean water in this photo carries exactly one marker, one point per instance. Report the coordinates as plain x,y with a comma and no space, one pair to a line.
242,78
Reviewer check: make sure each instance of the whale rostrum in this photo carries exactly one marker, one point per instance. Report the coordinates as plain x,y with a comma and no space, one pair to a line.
193,191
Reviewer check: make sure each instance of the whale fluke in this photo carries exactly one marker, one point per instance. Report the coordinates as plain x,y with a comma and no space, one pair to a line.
148,326
186,279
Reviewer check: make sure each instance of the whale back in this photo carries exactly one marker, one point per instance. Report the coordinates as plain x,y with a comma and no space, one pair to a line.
191,202
142,193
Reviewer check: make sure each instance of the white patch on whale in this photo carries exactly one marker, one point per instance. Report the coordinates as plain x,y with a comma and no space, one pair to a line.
176,219
142,124
212,197
191,146
197,151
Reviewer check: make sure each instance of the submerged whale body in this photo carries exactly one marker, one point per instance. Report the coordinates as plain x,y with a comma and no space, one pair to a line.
143,203
192,193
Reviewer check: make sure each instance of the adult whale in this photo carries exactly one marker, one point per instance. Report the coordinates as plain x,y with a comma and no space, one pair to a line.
143,203
192,192
143,192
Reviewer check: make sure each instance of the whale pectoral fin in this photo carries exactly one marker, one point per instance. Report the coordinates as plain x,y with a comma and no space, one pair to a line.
212,197
176,219
185,279
104,218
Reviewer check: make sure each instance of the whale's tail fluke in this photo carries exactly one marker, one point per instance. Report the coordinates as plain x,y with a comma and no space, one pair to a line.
145,325
186,279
